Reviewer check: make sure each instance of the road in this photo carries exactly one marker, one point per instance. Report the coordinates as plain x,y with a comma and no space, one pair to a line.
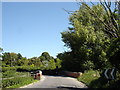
57,82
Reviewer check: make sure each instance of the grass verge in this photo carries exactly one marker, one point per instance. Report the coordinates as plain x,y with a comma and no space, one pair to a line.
17,82
22,84
88,77
93,80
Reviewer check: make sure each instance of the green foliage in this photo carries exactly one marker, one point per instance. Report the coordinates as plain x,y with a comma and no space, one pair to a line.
87,40
1,49
20,68
22,64
27,68
113,53
102,82
93,80
88,65
6,58
35,61
5,69
89,76
45,56
67,63
0,53
11,59
51,65
15,81
45,61
19,56
58,62
8,74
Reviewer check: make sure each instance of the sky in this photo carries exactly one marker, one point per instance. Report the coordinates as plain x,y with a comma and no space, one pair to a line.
31,28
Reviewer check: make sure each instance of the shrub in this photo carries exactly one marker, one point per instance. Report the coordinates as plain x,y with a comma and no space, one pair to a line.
4,69
89,76
8,74
94,80
27,68
17,80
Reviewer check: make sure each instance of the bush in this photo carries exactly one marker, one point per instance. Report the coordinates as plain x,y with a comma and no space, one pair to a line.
17,80
8,74
98,83
89,76
92,80
88,65
4,69
104,83
27,68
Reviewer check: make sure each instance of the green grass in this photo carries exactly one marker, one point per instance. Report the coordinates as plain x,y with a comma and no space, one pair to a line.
88,77
9,74
16,82
22,84
94,80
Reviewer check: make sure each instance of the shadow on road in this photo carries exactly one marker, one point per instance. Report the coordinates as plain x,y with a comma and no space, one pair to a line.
70,88
59,76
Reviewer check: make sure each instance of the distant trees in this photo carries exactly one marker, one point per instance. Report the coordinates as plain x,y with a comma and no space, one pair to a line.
1,49
45,61
45,56
11,59
49,62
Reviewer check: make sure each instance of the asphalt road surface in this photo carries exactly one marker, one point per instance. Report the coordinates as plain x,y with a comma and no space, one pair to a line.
57,82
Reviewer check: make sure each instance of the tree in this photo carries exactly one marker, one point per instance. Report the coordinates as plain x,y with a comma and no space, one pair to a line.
111,22
58,63
113,53
45,56
13,58
1,57
67,62
19,56
6,58
22,62
1,49
51,65
90,36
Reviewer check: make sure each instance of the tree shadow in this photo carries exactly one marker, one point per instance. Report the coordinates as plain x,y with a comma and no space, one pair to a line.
70,88
98,83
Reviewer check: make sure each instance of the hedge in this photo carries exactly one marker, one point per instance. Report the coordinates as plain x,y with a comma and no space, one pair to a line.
17,80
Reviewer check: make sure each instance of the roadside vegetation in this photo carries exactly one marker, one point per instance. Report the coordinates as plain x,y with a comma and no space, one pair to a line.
16,68
93,39
17,82
89,76
94,79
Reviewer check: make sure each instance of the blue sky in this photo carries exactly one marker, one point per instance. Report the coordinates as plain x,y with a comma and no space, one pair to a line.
32,28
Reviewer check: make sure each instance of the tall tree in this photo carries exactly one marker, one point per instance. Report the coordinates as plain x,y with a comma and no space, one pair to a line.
6,58
13,58
46,55
19,56
1,50
90,35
